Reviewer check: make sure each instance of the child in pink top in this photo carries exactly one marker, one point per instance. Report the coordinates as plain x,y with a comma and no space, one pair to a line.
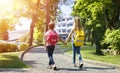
49,46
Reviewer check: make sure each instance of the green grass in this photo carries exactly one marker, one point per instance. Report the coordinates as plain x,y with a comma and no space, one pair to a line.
11,60
88,52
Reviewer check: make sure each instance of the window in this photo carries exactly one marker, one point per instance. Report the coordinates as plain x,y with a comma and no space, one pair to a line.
71,24
69,19
63,19
63,25
68,31
59,25
59,31
64,31
67,25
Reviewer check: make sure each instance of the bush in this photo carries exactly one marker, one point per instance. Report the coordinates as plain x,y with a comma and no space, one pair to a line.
104,45
113,39
23,47
25,37
8,47
38,36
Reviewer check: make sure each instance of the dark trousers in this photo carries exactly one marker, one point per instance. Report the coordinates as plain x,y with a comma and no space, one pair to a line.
50,50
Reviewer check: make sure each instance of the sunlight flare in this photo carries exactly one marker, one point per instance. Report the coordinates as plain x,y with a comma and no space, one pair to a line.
6,6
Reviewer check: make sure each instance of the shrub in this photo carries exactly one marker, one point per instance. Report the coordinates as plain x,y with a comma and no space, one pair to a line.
8,47
13,48
25,37
23,47
113,39
38,36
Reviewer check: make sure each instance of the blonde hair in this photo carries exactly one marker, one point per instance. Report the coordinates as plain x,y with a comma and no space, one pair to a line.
77,24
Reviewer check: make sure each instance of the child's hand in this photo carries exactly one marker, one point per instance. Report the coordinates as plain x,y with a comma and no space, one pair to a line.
65,43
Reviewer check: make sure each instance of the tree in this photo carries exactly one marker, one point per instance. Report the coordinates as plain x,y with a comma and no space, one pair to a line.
97,16
51,6
51,11
33,9
9,15
112,13
4,30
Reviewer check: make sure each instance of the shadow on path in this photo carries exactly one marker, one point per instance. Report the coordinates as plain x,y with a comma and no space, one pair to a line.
31,63
72,69
98,68
84,69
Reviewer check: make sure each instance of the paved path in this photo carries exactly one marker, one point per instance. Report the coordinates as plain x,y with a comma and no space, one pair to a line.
38,60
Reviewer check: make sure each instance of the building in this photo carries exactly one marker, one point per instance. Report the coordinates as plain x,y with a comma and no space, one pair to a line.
64,26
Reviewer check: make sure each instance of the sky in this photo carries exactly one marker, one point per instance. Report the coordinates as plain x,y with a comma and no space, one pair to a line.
67,7
66,10
23,24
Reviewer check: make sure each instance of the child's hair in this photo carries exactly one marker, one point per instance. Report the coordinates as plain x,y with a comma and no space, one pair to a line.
77,24
51,25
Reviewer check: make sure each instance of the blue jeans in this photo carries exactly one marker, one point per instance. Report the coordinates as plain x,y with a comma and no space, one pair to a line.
50,50
76,49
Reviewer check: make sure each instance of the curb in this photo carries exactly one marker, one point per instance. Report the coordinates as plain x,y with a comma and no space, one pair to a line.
98,63
15,69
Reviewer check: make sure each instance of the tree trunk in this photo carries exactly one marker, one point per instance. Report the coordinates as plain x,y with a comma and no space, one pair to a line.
97,42
88,36
5,36
47,15
34,18
32,29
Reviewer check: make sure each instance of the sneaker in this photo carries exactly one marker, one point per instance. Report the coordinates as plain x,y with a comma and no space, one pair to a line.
50,67
74,65
80,66
54,68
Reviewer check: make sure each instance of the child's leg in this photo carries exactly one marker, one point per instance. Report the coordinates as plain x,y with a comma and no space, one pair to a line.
79,54
74,54
50,50
50,55
80,57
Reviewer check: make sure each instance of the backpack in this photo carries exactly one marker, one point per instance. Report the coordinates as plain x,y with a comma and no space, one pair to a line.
52,37
79,38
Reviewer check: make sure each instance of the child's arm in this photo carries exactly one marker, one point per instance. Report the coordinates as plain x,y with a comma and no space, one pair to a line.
61,39
45,37
69,35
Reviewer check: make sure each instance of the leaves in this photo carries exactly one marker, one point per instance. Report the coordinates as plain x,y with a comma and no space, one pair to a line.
113,39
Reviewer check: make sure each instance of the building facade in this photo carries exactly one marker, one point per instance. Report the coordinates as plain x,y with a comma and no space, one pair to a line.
64,26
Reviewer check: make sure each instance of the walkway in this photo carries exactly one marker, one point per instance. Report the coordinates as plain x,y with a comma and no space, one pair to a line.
38,60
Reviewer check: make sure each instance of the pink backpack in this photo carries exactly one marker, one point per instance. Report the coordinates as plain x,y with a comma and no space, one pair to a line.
52,37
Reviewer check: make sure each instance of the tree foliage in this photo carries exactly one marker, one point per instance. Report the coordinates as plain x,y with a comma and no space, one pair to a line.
98,13
113,39
40,11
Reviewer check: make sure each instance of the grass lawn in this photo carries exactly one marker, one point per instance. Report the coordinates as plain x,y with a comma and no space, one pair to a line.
88,52
11,60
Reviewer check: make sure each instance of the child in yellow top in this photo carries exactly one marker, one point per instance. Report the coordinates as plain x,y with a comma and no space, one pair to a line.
76,49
